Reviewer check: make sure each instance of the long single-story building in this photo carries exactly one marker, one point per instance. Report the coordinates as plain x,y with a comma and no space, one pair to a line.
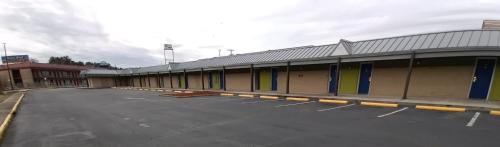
460,64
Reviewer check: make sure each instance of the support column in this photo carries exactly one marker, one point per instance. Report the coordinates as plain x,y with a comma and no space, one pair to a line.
149,81
170,76
185,80
288,77
114,80
408,75
202,79
158,83
224,77
251,77
140,80
337,76
88,84
133,81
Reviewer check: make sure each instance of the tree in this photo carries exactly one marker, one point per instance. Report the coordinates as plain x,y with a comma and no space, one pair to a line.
69,61
33,60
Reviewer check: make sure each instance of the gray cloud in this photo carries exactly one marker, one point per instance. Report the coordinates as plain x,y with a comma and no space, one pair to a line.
65,32
63,29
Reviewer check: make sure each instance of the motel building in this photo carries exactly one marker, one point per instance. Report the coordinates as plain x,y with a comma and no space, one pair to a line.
40,75
451,65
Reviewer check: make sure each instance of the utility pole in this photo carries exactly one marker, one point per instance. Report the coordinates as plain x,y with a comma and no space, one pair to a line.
8,69
219,52
230,51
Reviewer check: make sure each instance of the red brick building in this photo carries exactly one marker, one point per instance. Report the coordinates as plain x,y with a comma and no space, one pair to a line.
34,75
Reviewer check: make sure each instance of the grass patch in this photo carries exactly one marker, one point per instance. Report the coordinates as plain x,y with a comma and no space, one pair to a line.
5,96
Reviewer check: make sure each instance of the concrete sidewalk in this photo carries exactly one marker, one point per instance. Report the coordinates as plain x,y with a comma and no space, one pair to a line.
476,105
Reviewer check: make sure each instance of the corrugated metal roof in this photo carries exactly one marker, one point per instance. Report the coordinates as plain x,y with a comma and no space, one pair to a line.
453,39
438,40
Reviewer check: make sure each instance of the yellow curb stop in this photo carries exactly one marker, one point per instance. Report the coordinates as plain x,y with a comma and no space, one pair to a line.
440,108
227,94
493,112
333,101
246,95
301,99
377,104
269,97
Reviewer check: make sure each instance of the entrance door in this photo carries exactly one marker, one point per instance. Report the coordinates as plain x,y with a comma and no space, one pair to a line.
210,80
333,78
274,79
364,78
482,78
221,80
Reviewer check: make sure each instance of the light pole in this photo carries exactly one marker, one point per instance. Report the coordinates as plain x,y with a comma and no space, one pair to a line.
8,69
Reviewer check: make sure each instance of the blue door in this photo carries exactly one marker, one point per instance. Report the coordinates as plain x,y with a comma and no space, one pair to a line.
333,78
221,80
482,78
274,79
364,78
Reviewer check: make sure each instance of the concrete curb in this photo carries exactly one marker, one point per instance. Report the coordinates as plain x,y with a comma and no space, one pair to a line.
440,108
8,118
344,100
378,104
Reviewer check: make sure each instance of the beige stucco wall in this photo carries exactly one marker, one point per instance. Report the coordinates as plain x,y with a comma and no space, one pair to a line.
27,77
388,79
194,81
238,81
281,81
154,81
136,82
308,82
441,82
166,78
175,81
443,79
4,79
100,82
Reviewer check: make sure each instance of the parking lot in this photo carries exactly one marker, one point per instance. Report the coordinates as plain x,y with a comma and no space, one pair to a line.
117,117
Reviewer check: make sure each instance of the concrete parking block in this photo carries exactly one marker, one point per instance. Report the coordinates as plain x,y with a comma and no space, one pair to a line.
330,101
493,112
378,104
269,97
246,95
440,108
227,94
300,99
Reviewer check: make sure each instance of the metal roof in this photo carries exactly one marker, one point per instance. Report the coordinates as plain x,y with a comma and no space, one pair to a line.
437,41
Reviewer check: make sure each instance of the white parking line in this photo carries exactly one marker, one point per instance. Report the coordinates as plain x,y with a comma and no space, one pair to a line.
321,110
473,120
134,98
253,102
384,115
295,104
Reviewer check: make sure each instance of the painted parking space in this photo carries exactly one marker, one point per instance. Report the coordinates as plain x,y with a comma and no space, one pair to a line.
182,121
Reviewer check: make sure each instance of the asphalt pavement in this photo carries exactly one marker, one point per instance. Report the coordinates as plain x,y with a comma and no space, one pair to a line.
115,117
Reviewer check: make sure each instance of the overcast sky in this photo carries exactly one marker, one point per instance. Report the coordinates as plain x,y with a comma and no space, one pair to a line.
130,33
